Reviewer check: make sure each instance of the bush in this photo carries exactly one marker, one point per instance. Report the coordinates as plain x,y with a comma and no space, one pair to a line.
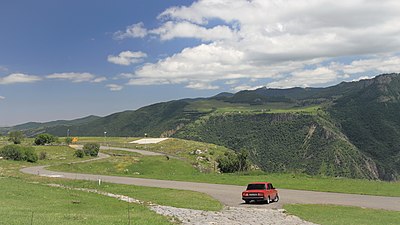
42,155
30,155
234,162
12,152
91,149
68,140
43,139
19,153
79,153
16,137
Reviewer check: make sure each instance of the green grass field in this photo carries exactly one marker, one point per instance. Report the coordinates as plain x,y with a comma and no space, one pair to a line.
338,215
207,106
49,205
160,168
18,188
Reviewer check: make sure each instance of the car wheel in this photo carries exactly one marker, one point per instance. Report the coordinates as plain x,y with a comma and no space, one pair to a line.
268,200
276,198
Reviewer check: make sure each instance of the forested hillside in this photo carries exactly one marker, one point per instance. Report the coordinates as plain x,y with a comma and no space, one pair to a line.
162,119
285,143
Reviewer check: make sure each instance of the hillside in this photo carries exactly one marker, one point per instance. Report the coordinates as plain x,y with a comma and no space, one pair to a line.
351,129
162,119
286,143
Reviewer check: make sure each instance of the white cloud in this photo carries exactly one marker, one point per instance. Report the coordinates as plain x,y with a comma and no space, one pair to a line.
19,78
127,58
288,42
306,78
379,64
74,77
245,87
2,97
133,31
201,86
363,78
114,87
99,79
171,30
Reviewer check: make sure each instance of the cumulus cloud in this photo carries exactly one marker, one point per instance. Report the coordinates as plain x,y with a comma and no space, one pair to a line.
74,77
133,31
201,86
381,64
19,78
296,43
2,97
306,78
245,87
127,58
171,30
99,79
114,87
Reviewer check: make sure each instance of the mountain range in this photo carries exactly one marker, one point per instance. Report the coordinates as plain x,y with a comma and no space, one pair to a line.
348,130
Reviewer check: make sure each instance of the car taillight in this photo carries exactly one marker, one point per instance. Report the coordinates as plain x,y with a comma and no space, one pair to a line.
245,194
260,194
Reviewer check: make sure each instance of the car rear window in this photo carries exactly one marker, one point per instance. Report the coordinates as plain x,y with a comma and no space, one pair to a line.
256,187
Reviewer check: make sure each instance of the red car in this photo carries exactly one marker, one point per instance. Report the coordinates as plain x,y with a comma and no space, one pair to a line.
260,191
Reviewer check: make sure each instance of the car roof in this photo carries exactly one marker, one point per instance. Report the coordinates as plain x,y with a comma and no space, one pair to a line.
260,183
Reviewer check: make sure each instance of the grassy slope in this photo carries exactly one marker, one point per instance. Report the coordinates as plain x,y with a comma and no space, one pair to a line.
62,154
160,168
18,199
338,215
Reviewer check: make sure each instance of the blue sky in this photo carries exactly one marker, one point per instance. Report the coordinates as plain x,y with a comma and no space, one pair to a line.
70,59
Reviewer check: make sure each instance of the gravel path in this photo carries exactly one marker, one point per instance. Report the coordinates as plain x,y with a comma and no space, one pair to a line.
228,216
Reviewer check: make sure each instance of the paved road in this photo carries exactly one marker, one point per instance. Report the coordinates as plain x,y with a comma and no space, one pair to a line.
230,194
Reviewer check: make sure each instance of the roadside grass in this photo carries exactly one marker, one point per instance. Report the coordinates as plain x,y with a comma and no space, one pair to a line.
160,196
160,168
338,215
64,154
49,205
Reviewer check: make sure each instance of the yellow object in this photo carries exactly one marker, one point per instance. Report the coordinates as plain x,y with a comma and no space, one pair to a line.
74,140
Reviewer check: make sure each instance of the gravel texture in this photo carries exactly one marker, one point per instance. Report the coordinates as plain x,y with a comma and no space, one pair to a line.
229,216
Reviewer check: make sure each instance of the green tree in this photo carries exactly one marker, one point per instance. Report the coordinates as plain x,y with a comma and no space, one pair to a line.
16,137
243,161
91,149
79,153
68,140
19,153
43,139
228,163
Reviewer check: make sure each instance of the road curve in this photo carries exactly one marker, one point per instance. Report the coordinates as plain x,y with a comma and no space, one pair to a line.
229,195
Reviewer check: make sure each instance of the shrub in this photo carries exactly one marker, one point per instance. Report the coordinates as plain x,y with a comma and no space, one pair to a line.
43,139
30,155
68,140
12,152
91,149
79,153
19,153
42,155
234,162
16,137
